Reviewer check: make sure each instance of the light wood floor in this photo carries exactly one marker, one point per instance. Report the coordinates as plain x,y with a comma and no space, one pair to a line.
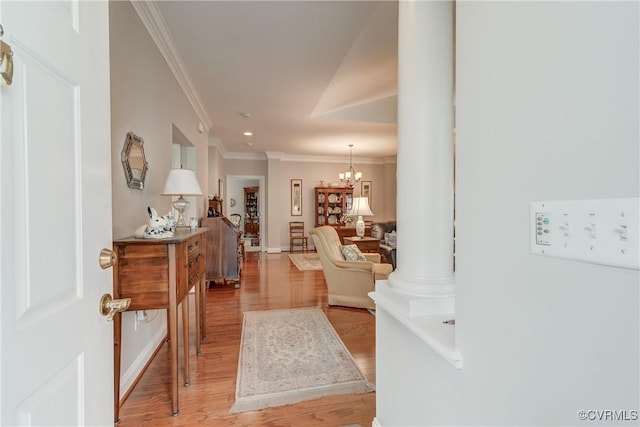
269,281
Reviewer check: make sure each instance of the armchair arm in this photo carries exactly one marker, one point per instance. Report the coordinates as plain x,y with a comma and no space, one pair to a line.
354,265
372,257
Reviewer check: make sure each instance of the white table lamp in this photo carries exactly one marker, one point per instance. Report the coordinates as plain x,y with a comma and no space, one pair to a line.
360,208
181,182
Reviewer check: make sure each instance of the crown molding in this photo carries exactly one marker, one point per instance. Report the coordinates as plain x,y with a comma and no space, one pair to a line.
154,23
332,159
274,155
215,142
391,160
284,157
244,156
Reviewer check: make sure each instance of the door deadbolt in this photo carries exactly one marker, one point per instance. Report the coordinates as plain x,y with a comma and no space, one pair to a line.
107,258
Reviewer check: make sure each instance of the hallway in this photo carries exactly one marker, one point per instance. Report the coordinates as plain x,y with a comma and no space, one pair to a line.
269,281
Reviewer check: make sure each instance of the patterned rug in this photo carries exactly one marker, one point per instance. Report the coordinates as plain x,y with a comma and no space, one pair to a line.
306,261
291,355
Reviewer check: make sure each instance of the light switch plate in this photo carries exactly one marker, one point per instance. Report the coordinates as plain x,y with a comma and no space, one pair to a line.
599,231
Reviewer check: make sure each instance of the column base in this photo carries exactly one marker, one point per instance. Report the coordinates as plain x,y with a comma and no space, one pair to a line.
426,317
420,296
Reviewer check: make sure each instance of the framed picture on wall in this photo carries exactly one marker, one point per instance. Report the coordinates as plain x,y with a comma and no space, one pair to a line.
366,191
296,197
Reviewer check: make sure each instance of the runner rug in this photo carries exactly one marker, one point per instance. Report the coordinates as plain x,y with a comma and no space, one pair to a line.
306,261
291,355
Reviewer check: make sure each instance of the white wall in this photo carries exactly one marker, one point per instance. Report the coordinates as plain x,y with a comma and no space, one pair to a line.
547,109
216,172
145,99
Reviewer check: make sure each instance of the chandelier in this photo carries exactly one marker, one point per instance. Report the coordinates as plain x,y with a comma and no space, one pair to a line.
350,177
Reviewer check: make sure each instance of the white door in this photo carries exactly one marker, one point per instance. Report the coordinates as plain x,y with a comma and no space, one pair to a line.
56,365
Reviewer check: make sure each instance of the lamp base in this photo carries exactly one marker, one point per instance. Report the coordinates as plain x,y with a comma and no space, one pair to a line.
181,204
360,226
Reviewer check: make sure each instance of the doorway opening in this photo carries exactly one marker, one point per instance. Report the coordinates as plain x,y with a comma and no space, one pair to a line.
246,197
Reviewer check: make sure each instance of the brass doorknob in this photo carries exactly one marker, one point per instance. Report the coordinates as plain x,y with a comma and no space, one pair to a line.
107,258
109,306
6,61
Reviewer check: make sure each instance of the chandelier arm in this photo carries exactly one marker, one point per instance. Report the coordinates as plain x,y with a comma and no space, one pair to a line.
350,177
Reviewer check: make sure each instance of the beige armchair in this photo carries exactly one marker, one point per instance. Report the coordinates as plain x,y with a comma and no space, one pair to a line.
348,282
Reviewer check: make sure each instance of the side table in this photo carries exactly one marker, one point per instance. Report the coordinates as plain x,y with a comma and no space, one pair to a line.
365,244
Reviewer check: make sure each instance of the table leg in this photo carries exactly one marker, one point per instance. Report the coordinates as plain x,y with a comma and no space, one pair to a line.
198,296
203,306
117,351
172,315
185,340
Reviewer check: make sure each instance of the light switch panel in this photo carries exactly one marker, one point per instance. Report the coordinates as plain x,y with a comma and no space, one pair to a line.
599,231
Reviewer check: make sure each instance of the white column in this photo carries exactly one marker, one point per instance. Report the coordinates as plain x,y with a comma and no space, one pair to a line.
424,271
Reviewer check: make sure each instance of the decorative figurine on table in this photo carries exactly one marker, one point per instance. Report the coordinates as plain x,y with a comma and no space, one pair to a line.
158,227
347,219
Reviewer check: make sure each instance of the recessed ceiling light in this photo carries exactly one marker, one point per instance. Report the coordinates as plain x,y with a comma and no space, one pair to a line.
248,133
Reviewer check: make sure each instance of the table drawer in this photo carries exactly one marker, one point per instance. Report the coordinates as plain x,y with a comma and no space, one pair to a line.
194,245
368,246
365,245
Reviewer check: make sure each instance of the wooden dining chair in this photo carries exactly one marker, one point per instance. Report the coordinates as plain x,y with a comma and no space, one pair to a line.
297,237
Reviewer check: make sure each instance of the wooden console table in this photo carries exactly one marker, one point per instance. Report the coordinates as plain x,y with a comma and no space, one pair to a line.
158,274
365,244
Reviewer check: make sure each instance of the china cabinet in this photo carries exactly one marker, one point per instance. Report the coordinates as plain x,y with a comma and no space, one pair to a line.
331,204
251,211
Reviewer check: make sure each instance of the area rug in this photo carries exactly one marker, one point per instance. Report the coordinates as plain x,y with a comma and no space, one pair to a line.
288,356
306,261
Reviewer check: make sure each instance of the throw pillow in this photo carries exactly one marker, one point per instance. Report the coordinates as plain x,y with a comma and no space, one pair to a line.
377,231
352,253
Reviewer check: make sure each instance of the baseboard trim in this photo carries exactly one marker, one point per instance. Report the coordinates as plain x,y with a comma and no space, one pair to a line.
375,423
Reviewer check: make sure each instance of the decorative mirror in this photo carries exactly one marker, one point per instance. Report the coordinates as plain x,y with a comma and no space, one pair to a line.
134,161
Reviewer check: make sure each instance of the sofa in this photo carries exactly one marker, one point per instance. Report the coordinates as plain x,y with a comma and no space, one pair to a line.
348,282
385,232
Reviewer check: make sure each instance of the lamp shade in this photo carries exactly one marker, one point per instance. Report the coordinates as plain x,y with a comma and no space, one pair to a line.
181,182
360,207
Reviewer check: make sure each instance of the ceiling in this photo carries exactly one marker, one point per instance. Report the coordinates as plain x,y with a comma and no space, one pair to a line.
308,78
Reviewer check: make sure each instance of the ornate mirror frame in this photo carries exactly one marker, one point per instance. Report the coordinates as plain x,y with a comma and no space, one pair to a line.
134,161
